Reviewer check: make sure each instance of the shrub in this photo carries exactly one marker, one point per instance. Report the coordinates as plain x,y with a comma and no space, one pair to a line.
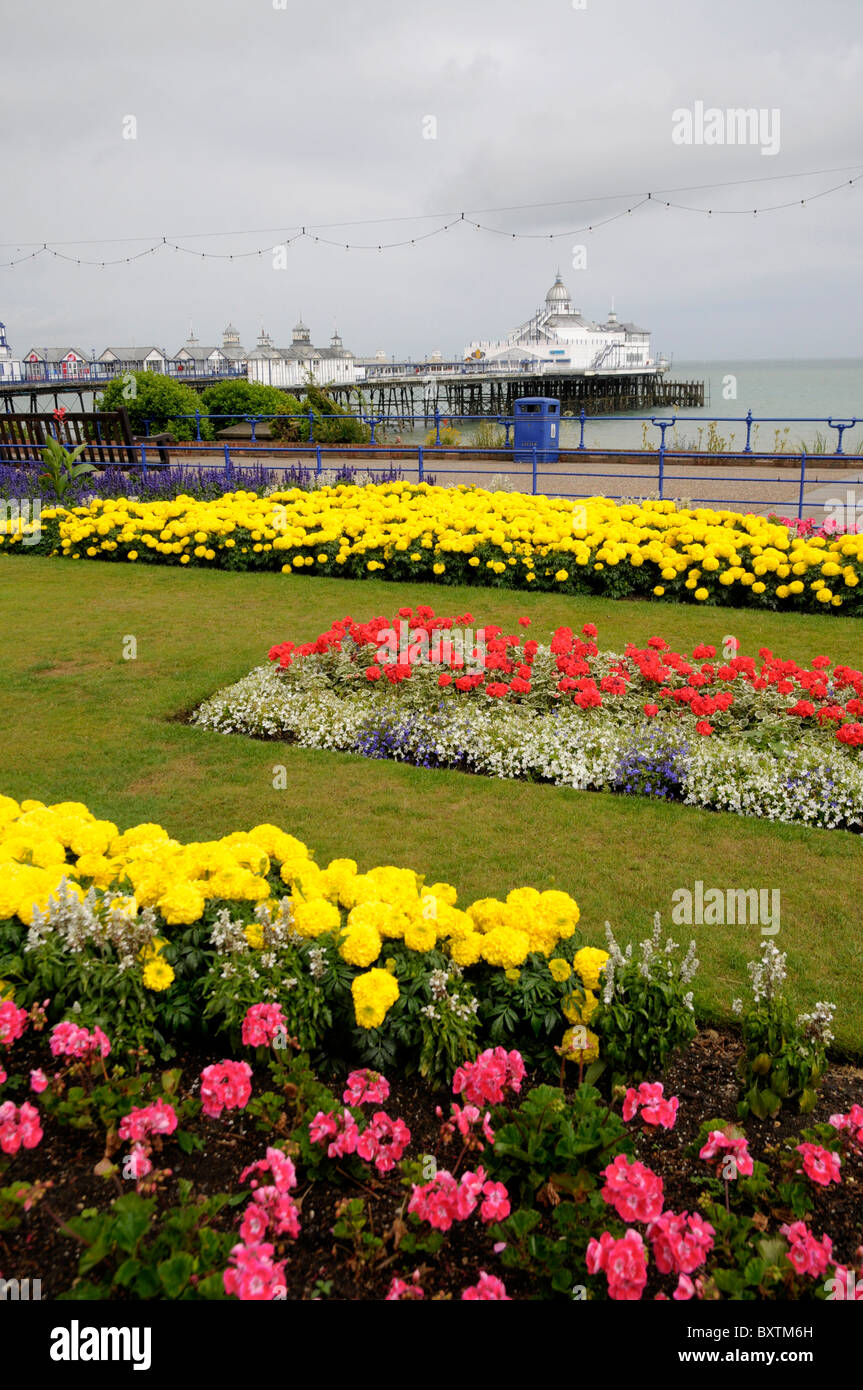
445,438
332,423
159,402
231,401
488,435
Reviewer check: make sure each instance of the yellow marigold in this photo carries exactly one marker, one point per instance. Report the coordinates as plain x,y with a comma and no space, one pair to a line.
456,924
560,969
336,876
559,911
158,974
421,935
466,950
506,947
360,945
93,837
588,963
312,919
374,993
97,867
152,950
486,913
181,905
359,889
580,1007
526,898
445,892
580,1045
543,938
138,835
305,878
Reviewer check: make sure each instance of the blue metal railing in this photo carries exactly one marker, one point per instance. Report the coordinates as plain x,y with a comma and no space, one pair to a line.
273,456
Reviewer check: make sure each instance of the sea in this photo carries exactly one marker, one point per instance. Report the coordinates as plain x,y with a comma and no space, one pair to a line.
792,401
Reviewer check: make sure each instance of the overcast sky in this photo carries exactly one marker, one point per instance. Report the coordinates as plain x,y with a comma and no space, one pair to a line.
253,118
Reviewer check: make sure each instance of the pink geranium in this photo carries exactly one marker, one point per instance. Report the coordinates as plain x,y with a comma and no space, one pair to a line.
158,1118
366,1088
719,1144
485,1081
19,1127
487,1289
400,1290
253,1275
263,1023
225,1086
650,1100
71,1040
13,1021
808,1255
624,1263
850,1124
341,1131
444,1201
496,1204
819,1164
137,1162
681,1243
272,1207
633,1190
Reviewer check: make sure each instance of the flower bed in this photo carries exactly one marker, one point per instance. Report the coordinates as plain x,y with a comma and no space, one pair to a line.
278,1158
148,936
755,735
460,535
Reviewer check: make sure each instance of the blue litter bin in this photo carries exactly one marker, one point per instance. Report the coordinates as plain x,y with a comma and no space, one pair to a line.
536,420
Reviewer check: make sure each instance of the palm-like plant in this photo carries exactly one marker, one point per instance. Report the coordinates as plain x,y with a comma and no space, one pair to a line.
61,469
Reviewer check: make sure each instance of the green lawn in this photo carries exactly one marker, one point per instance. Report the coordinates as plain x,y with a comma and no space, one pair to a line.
78,722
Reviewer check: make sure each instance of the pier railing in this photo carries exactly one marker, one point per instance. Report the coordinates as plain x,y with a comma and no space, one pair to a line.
101,373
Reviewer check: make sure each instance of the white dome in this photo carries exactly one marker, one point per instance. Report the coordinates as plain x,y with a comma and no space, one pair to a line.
558,294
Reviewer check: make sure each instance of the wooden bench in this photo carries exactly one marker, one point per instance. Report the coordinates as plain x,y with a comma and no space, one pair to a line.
107,435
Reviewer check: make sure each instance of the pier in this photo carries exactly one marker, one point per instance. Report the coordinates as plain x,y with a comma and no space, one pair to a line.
465,389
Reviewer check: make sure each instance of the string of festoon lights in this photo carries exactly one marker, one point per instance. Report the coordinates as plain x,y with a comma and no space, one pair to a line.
635,202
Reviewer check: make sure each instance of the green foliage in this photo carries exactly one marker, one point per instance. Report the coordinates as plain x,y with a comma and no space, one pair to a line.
745,1264
307,1011
342,427
128,1254
237,399
61,470
553,1143
554,1258
526,1013
351,1228
645,1012
332,423
159,400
